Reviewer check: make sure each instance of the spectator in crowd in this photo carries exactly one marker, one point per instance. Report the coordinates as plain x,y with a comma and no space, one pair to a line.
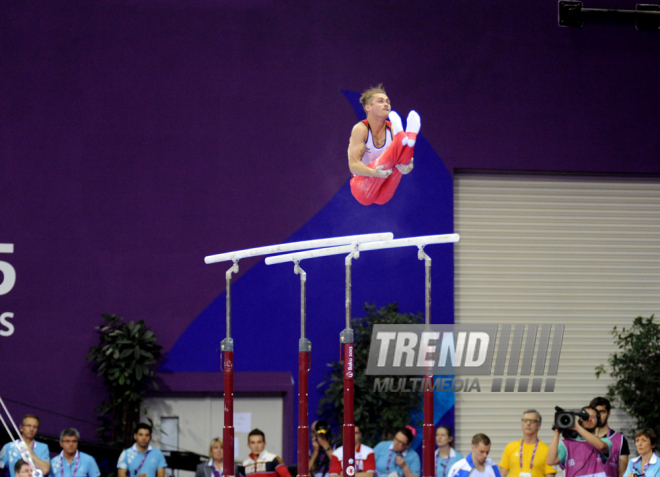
22,469
526,457
395,458
618,461
214,467
71,462
10,454
141,460
588,453
477,463
365,464
261,461
647,463
319,461
446,456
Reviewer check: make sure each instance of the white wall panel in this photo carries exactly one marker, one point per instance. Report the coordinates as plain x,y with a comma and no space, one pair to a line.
580,252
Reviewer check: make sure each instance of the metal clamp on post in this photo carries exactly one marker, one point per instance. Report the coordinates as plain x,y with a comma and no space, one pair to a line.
227,345
355,254
233,269
304,345
427,287
346,336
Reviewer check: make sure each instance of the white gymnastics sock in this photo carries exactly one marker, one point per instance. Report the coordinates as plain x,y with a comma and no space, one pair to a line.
397,125
413,125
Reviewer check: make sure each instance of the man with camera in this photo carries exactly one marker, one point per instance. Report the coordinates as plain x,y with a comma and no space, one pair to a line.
618,461
581,453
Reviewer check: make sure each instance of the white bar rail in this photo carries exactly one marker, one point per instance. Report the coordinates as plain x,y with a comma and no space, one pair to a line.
404,242
288,247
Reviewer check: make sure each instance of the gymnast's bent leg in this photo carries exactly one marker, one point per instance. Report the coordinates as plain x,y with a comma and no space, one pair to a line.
376,190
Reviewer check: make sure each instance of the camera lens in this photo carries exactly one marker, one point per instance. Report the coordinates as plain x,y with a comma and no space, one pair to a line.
564,420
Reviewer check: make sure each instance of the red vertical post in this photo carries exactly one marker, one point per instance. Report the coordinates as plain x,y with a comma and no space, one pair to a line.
228,429
349,412
303,412
304,365
227,365
346,338
428,433
428,429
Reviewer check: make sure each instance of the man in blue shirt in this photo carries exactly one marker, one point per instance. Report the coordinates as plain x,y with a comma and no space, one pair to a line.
10,454
71,462
395,458
141,460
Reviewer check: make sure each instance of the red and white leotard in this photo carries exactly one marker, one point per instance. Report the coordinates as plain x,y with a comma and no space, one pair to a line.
372,152
378,190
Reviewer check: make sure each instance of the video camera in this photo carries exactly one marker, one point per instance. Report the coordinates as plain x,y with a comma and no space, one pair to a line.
565,420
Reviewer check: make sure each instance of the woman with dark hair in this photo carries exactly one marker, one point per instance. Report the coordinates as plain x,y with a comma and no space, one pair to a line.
445,456
647,464
395,458
319,461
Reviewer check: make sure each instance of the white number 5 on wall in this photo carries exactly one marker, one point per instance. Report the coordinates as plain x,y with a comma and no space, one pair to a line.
7,270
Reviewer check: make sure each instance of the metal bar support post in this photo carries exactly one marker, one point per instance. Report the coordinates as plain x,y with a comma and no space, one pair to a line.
346,338
428,428
227,365
304,365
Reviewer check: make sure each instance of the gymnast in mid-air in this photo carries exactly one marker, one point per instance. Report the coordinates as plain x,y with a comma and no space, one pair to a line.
380,152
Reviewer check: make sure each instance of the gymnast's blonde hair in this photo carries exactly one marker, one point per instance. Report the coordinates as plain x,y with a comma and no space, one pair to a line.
370,93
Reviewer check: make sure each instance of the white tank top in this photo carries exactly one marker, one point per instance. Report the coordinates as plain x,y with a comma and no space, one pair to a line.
371,152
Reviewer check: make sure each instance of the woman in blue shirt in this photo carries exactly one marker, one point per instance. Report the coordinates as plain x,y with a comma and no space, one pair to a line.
445,456
647,464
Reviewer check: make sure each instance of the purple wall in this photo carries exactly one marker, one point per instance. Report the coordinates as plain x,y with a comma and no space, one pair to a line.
137,137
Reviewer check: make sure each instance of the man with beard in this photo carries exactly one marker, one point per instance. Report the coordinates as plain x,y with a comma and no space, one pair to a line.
618,461
584,455
141,460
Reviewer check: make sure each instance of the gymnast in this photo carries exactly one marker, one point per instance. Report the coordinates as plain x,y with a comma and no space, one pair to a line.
379,151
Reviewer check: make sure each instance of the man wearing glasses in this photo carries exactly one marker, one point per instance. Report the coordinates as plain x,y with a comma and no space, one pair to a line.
71,462
22,468
395,458
526,457
10,455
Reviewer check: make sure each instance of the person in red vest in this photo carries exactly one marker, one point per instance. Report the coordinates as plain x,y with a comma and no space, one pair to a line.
365,462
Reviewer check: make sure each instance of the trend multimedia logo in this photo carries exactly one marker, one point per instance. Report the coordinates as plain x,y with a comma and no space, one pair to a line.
448,351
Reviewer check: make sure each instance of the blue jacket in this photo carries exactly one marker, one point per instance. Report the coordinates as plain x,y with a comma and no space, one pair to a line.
463,467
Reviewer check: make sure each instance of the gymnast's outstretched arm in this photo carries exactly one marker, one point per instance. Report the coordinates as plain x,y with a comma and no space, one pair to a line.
356,149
